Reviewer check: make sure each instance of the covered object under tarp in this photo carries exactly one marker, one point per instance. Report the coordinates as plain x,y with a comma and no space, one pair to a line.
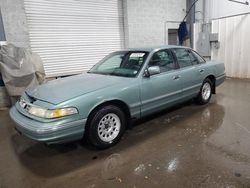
20,68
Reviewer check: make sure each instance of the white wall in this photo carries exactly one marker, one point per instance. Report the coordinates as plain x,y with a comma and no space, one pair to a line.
15,24
222,8
145,20
233,35
234,45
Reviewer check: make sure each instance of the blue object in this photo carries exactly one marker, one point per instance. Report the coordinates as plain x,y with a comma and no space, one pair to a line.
182,32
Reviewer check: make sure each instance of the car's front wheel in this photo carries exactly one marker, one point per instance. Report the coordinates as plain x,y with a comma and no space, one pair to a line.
205,92
105,127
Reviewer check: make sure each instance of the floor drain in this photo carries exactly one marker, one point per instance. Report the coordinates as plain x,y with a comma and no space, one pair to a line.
237,174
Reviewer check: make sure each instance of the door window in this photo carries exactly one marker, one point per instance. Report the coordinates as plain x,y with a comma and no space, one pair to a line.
164,60
184,57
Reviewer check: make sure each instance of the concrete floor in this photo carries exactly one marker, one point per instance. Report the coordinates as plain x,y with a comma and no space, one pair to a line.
190,145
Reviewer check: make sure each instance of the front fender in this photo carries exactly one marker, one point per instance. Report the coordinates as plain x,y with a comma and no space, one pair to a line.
127,93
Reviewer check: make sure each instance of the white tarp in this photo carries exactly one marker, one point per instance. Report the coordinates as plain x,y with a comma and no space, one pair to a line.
20,68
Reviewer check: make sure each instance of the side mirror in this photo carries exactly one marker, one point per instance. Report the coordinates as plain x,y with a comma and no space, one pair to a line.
150,71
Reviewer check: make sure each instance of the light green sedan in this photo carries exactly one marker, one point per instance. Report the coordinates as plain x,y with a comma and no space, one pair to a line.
125,85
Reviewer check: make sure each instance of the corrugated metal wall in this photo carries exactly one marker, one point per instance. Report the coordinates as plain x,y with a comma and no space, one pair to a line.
234,45
221,8
72,35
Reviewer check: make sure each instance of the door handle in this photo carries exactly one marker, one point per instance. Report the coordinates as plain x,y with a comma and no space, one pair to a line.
176,77
202,70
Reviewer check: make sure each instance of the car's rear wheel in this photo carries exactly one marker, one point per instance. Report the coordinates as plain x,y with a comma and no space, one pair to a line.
205,92
105,127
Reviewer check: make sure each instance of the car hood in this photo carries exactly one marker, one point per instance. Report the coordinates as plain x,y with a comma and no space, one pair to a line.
63,89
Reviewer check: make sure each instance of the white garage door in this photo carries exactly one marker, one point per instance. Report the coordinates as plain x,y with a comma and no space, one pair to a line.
72,35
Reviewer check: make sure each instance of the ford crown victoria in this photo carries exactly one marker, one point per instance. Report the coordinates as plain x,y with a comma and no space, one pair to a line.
125,85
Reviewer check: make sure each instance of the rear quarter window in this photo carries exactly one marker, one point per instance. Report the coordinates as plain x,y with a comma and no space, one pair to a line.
198,57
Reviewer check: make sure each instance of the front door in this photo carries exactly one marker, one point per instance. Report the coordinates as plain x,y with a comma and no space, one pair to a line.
161,90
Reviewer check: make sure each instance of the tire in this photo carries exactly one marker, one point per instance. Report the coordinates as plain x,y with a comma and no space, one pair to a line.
205,92
105,127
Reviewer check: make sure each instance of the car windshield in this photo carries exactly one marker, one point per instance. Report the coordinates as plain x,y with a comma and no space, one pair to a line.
124,64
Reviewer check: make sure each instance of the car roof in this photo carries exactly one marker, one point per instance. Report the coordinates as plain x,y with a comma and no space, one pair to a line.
150,49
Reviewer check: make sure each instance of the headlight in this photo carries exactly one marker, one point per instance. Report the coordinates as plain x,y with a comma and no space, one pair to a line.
50,114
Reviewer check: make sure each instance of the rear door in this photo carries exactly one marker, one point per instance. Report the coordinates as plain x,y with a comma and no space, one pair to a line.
199,64
190,76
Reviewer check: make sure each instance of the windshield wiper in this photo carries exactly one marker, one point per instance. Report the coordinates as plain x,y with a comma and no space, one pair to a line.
120,75
102,73
111,74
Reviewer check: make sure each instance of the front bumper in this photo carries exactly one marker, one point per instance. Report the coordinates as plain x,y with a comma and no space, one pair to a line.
51,132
